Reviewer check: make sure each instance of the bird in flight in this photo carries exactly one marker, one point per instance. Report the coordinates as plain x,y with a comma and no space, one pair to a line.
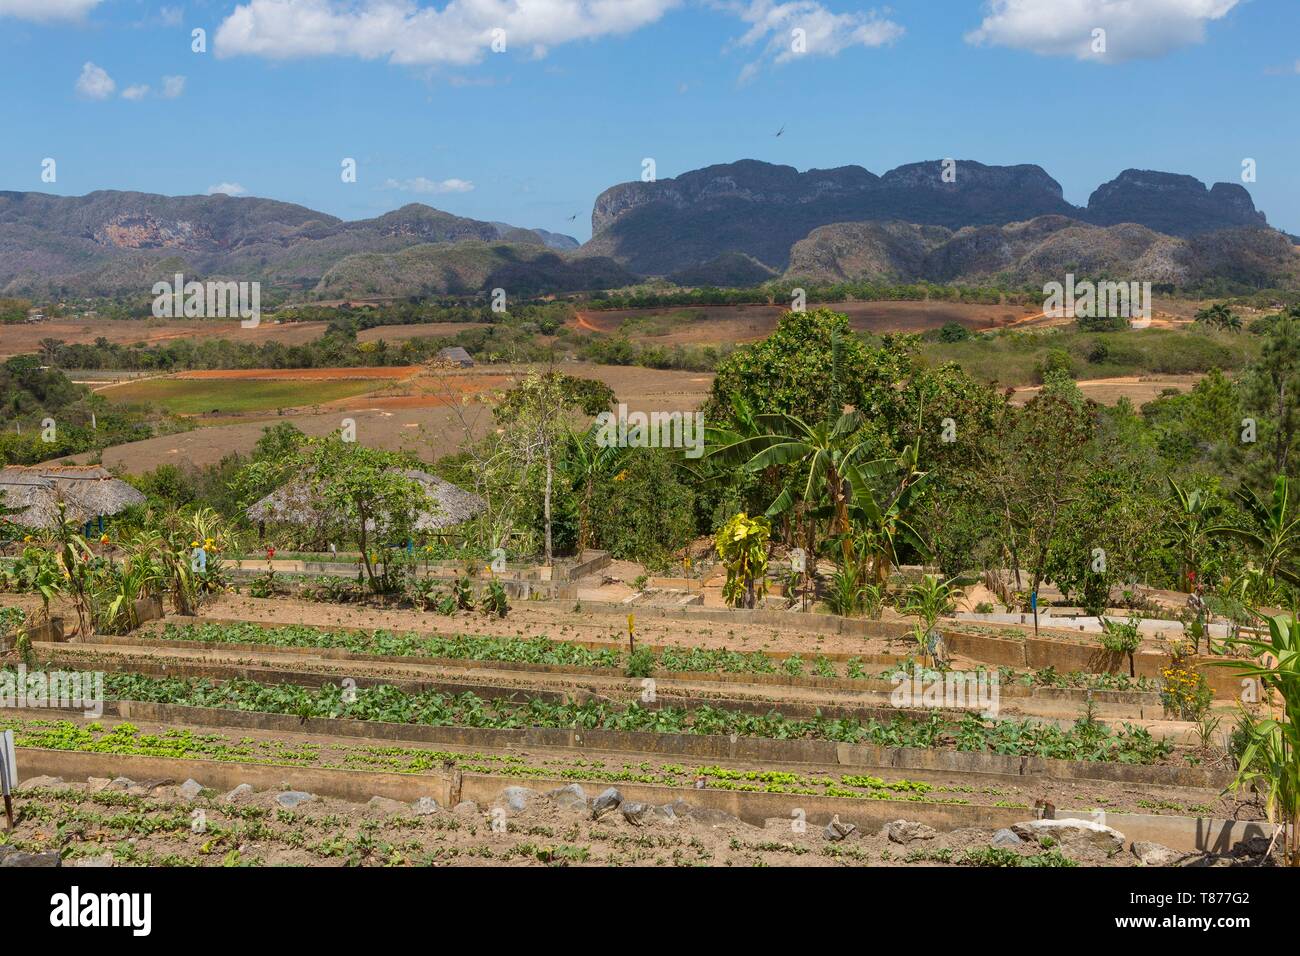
780,131
573,217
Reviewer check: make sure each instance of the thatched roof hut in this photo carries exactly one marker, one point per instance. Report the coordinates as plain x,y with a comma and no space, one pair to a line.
297,503
86,491
456,355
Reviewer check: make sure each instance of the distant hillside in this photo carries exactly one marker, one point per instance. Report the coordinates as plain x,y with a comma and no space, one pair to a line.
731,270
1040,250
472,266
762,210
106,242
737,224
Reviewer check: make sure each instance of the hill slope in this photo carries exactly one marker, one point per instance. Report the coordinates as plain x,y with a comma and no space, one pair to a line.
106,241
1040,250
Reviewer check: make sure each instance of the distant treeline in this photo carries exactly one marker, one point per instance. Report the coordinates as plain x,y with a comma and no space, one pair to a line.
44,415
780,293
547,317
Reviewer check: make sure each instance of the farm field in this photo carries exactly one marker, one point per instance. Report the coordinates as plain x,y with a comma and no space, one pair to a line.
720,324
21,338
460,778
396,408
188,395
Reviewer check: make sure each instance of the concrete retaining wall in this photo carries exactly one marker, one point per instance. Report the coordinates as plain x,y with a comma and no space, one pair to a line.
696,746
1070,699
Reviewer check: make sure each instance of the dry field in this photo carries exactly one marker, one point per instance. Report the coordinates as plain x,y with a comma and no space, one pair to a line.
427,412
24,338
716,325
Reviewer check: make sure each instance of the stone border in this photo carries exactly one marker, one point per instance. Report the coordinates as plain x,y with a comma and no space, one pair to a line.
1187,834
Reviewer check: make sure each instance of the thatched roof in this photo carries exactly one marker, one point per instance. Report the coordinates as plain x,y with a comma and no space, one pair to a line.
87,492
456,355
297,503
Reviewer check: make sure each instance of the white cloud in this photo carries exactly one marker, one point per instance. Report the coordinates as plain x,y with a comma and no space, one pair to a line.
95,83
1134,29
173,86
136,92
404,32
422,185
788,31
228,189
45,10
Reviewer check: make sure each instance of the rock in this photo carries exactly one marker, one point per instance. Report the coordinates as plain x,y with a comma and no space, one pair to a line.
905,831
607,800
147,787
516,799
190,789
120,783
1155,854
102,860
572,798
35,782
96,784
1006,839
709,817
424,806
15,858
466,808
1070,832
637,814
294,798
666,814
385,805
836,831
239,793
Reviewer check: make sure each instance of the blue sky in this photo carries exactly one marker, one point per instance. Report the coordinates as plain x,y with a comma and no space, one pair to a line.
413,92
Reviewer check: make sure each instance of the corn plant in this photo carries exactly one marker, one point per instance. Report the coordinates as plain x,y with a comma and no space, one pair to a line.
1270,755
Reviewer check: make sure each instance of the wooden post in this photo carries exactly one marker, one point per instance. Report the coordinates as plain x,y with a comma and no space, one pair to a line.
8,774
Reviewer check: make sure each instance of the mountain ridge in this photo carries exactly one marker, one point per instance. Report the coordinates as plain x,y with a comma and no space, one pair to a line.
761,209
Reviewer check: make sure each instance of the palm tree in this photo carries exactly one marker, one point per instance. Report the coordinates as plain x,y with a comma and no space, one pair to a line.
1219,316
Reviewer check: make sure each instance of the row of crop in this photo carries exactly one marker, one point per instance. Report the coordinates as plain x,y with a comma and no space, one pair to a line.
641,663
1084,740
128,740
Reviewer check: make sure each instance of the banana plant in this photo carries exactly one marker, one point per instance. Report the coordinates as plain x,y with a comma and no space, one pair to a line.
825,451
1273,532
883,522
1195,513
